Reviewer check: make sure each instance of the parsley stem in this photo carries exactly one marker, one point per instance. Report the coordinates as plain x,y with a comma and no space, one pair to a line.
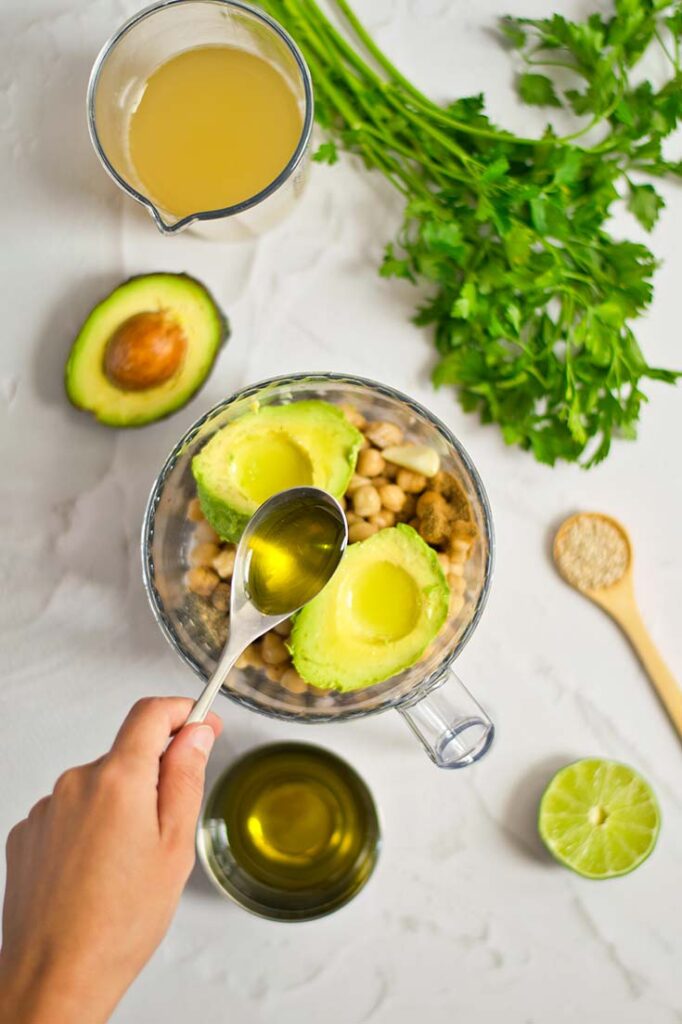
661,43
529,295
554,64
378,54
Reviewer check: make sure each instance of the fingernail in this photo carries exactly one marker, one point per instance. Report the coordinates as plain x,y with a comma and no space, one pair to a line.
203,739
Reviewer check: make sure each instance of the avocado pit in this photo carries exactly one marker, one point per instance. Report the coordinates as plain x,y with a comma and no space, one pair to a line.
145,351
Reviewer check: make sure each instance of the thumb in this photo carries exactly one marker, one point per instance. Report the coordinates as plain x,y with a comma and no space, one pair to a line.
181,782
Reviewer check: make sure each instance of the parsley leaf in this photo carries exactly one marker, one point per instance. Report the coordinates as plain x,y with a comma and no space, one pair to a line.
538,90
530,299
645,203
326,153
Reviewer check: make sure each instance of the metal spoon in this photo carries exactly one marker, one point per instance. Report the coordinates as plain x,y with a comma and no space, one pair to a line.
247,620
618,600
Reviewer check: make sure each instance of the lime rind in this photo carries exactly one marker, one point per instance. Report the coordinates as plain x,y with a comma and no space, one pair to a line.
599,818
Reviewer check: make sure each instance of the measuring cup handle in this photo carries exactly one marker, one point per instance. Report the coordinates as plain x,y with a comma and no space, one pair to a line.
452,727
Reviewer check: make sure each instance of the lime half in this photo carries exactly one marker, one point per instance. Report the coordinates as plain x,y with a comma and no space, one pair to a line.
599,818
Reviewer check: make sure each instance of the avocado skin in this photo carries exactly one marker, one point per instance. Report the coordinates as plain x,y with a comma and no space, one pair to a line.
141,420
227,522
336,672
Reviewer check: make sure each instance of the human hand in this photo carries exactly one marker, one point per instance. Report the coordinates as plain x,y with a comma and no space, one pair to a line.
95,872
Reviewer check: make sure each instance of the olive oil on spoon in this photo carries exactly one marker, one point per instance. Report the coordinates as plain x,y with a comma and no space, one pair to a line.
288,552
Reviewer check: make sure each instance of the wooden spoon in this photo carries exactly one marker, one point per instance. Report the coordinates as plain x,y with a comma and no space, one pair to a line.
617,598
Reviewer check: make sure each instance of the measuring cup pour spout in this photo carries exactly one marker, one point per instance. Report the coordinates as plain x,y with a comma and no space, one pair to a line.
452,727
168,226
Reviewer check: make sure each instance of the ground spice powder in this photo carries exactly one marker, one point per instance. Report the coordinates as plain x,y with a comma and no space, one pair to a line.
591,553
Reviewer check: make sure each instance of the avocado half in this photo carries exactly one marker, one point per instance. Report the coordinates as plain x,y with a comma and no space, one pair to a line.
380,611
145,349
306,443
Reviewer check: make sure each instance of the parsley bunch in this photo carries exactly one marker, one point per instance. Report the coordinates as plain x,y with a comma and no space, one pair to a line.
531,297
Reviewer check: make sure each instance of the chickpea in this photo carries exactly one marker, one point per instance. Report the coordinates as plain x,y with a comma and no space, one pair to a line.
458,550
463,530
194,513
392,497
292,682
274,649
353,517
357,481
366,501
220,599
353,416
444,483
203,554
223,563
444,562
453,492
411,483
202,581
456,605
456,583
275,672
414,523
380,481
361,531
430,500
204,533
284,628
432,531
457,569
391,470
383,519
371,462
434,517
384,434
342,502
251,657
408,510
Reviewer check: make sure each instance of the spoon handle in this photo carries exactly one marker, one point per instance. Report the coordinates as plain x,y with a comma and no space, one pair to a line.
233,648
660,675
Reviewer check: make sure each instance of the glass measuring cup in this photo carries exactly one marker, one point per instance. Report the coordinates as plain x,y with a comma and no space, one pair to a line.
451,725
151,38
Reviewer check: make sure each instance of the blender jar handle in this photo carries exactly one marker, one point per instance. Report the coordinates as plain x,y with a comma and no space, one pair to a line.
452,727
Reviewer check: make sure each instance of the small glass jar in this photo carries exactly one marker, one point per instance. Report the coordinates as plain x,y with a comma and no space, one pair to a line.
318,824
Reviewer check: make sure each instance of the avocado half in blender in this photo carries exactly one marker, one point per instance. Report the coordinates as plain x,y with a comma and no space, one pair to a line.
380,611
307,443
145,349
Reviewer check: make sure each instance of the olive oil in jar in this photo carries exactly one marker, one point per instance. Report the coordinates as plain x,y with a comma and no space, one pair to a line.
292,552
294,826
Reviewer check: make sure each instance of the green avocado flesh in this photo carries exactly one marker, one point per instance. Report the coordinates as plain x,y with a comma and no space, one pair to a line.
382,608
269,450
187,306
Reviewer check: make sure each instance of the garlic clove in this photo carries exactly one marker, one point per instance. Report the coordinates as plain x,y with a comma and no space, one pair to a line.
417,457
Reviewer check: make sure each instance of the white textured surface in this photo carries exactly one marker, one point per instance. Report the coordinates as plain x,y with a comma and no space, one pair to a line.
465,918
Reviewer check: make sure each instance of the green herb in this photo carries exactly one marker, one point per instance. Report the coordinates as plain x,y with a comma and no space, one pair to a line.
531,296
